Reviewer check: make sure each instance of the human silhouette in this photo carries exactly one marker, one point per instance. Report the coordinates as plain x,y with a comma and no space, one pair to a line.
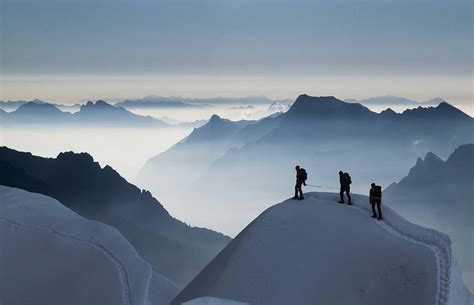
301,177
375,198
345,181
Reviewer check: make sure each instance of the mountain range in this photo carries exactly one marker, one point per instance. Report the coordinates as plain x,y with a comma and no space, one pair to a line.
98,113
13,105
323,134
436,194
157,102
390,100
172,247
154,101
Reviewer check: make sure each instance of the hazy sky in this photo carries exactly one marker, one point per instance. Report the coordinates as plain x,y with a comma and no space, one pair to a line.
68,50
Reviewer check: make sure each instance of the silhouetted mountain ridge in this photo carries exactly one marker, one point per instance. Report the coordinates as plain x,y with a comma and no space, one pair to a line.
77,181
325,107
436,193
457,170
443,111
99,113
216,128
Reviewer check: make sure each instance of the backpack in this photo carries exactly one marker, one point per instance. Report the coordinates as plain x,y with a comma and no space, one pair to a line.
303,174
378,191
348,178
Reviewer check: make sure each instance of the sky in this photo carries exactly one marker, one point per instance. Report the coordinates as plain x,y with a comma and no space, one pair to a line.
71,50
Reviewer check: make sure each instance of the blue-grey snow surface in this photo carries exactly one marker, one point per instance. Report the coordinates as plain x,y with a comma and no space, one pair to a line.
317,251
50,255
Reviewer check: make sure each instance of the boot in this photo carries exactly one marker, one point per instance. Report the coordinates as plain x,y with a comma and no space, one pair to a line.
374,216
294,197
341,201
349,203
301,198
380,217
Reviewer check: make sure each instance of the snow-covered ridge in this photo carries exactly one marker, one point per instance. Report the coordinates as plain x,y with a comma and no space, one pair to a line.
51,255
320,252
448,279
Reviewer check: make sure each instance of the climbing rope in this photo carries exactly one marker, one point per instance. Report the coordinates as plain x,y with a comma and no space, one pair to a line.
323,187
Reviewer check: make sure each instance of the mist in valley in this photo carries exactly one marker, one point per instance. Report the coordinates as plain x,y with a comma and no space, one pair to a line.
219,166
151,152
125,149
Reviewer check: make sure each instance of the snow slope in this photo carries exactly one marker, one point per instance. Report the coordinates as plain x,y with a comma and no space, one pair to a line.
213,301
51,255
320,252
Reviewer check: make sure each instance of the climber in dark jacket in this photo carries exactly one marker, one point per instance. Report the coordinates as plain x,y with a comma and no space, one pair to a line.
345,181
301,177
375,198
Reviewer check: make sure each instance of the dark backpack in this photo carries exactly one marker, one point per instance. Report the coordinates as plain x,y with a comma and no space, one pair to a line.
303,174
378,191
348,178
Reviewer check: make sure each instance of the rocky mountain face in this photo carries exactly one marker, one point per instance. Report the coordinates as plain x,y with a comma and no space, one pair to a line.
435,193
172,247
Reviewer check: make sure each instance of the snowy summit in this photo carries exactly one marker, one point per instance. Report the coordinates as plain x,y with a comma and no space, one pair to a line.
319,252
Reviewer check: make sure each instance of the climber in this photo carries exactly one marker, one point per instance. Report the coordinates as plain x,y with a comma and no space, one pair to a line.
301,177
375,198
345,181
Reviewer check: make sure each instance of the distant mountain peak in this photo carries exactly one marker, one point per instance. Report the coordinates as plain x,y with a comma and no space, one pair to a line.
462,156
100,104
215,128
432,158
72,156
429,160
443,111
35,107
435,101
424,167
325,107
306,102
389,112
446,105
321,98
215,118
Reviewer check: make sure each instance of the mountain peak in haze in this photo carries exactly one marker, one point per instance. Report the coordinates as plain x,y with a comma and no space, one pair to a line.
389,112
435,101
387,99
37,108
458,166
463,156
215,129
100,104
215,118
434,180
324,107
424,167
443,111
